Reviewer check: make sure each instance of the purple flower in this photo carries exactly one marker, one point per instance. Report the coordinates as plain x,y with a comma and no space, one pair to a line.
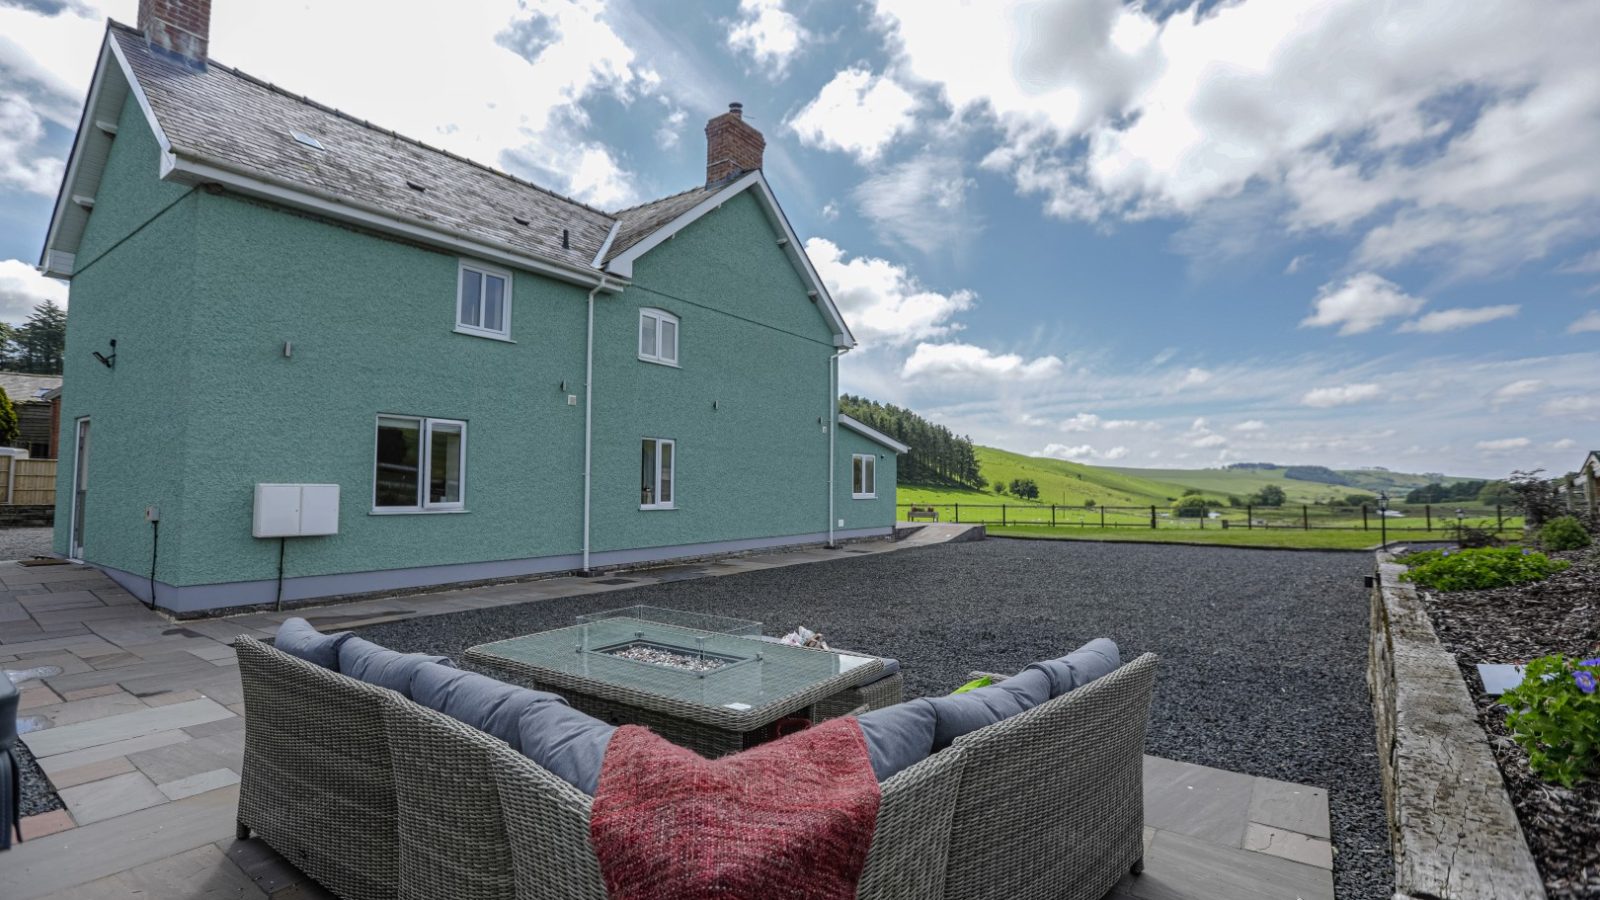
1590,662
1585,681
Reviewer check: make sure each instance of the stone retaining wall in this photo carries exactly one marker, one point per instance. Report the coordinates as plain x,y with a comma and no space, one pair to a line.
27,516
1453,828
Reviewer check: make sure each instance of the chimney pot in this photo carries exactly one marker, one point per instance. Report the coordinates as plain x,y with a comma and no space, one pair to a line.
733,146
179,27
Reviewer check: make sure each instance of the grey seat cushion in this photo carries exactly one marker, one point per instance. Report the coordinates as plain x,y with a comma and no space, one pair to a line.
569,744
486,704
297,637
1083,665
898,736
365,661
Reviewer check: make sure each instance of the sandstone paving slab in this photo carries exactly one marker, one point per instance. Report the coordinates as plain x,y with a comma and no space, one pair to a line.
53,764
1295,807
37,696
117,660
119,674
88,853
1289,845
1206,803
68,663
74,711
198,783
86,693
37,603
1180,867
15,647
109,797
192,757
271,872
202,873
95,771
167,698
68,738
221,726
45,824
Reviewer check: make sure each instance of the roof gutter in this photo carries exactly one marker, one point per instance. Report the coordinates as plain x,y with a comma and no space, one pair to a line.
182,166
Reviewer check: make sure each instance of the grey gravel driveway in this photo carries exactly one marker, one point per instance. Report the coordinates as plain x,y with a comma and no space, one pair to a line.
1263,652
22,543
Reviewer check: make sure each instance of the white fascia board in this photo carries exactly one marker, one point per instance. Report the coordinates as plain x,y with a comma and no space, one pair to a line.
873,434
623,264
187,169
600,255
144,102
52,258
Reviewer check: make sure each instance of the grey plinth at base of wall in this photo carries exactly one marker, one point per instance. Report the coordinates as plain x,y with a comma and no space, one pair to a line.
1453,827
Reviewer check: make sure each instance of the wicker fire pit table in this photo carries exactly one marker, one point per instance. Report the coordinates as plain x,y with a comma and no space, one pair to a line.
714,693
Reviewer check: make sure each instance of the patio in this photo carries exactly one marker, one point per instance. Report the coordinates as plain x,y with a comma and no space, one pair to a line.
146,715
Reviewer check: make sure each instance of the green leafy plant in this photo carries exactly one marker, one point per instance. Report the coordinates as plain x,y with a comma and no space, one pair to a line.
1555,716
1565,533
1481,569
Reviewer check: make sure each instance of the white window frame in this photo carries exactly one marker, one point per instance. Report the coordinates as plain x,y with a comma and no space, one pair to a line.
425,427
869,463
672,474
462,268
660,359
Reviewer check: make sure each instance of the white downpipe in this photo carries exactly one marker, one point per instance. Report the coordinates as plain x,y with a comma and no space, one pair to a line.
588,419
833,426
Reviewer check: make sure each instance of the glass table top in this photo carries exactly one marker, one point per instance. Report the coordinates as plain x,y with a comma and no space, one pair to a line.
725,672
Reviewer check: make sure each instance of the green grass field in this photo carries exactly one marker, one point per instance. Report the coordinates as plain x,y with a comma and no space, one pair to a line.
1280,538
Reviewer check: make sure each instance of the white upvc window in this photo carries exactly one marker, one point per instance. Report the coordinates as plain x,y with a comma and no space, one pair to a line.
658,337
864,478
658,459
483,301
420,465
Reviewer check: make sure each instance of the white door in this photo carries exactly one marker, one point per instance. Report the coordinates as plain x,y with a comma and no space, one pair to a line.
80,489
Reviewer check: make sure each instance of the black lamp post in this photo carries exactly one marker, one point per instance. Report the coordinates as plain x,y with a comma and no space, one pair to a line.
1383,517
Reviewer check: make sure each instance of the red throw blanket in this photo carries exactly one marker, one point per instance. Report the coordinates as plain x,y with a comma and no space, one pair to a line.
788,820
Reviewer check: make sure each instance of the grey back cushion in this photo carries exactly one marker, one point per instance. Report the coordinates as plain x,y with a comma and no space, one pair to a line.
297,637
568,744
898,736
486,704
365,661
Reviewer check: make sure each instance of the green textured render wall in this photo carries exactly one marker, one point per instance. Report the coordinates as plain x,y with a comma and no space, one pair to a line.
878,513
751,341
204,404
134,278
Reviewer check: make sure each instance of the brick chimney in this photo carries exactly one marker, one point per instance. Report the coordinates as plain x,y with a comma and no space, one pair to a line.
181,27
732,146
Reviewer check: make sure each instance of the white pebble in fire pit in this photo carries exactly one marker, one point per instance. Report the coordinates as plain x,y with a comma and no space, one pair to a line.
658,657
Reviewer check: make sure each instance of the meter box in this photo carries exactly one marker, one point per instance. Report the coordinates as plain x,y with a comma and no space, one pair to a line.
296,510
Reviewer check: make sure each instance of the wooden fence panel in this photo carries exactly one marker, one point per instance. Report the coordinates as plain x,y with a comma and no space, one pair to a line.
35,483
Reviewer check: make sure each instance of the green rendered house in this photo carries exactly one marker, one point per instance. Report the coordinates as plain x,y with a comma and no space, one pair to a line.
309,357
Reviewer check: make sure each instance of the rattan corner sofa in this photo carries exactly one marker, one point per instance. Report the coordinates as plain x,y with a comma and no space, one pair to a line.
377,797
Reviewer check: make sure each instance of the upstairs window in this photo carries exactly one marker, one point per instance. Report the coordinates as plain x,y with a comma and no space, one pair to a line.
864,483
658,337
420,465
657,459
483,301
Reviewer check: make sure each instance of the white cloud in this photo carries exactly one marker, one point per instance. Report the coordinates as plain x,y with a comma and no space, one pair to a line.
1588,264
22,288
1209,440
1579,405
1342,395
1115,453
1081,422
768,34
22,163
1464,139
1463,317
1516,390
1066,451
1130,425
921,203
858,113
830,211
1589,321
957,360
1191,378
1503,444
1360,303
1295,264
1563,444
882,301
1252,425
670,133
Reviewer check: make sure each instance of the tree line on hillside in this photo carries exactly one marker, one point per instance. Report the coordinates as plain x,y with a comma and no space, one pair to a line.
38,344
1488,493
937,454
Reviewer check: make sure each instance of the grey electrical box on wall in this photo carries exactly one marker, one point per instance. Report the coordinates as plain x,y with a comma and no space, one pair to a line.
296,510
152,513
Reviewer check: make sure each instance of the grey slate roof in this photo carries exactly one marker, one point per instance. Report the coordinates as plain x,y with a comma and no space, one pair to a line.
223,114
24,388
639,221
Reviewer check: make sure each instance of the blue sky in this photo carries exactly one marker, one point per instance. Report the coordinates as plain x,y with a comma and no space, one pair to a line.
1305,232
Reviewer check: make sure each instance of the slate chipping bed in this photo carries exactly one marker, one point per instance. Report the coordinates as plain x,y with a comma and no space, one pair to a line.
1263,653
37,795
1558,615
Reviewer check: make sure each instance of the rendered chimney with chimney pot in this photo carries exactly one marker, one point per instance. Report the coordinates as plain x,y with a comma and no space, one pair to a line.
733,147
180,27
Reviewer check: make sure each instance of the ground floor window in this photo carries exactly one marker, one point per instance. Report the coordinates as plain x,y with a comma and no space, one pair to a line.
864,484
657,459
420,466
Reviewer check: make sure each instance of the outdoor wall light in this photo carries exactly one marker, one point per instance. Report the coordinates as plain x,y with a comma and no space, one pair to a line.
109,362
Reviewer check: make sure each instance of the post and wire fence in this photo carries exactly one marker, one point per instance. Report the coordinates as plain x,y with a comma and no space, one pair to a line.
1400,518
